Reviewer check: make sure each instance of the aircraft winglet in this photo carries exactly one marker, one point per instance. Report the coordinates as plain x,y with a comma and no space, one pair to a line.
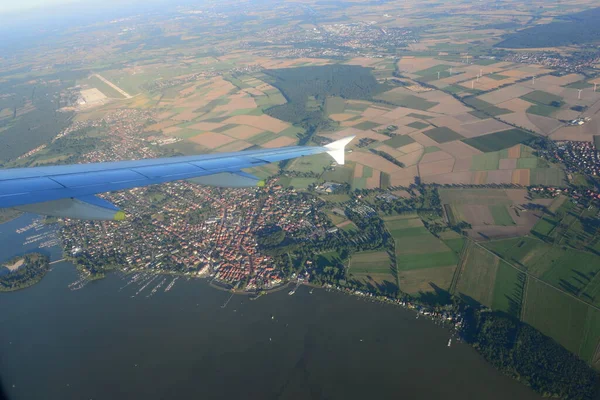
338,148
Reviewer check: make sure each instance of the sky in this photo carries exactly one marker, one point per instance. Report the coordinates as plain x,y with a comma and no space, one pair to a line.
22,5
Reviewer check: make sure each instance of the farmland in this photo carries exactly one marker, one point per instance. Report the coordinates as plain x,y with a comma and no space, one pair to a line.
499,140
419,255
373,268
477,275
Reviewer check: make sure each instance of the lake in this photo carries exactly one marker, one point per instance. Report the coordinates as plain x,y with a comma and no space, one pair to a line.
101,343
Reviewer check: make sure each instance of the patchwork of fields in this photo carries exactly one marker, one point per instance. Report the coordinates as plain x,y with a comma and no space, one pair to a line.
423,261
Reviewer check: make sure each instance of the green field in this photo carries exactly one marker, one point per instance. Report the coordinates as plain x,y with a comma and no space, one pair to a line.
372,267
499,140
542,109
541,97
501,216
442,134
405,100
556,315
432,72
544,226
399,141
418,125
486,161
309,164
497,77
334,105
548,176
339,174
366,125
580,85
477,275
486,107
301,183
570,270
527,162
508,290
416,247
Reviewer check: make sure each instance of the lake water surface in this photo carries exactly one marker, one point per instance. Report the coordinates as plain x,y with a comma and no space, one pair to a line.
100,343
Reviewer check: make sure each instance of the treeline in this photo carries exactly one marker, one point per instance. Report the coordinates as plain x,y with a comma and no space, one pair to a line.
576,29
388,157
518,350
32,271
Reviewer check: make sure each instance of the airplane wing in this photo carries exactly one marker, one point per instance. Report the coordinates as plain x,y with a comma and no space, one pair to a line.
69,190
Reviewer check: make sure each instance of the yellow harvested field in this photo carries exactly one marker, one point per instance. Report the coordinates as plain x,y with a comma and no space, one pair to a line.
237,104
520,119
358,171
390,150
211,140
341,117
161,125
505,94
363,61
462,164
279,142
398,113
206,126
374,180
411,158
436,167
171,130
480,177
584,132
422,139
238,145
186,115
516,105
373,112
515,151
516,73
499,176
242,132
452,178
482,127
561,80
435,156
458,149
263,122
521,177
403,175
414,64
450,108
374,161
410,148
353,122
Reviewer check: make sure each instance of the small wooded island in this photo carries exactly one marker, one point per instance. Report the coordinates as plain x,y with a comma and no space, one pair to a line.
23,271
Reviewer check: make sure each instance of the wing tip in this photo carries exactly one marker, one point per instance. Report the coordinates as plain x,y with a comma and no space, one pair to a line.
337,149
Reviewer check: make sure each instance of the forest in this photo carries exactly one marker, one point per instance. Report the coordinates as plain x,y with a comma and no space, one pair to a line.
32,271
40,120
298,84
520,351
574,29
